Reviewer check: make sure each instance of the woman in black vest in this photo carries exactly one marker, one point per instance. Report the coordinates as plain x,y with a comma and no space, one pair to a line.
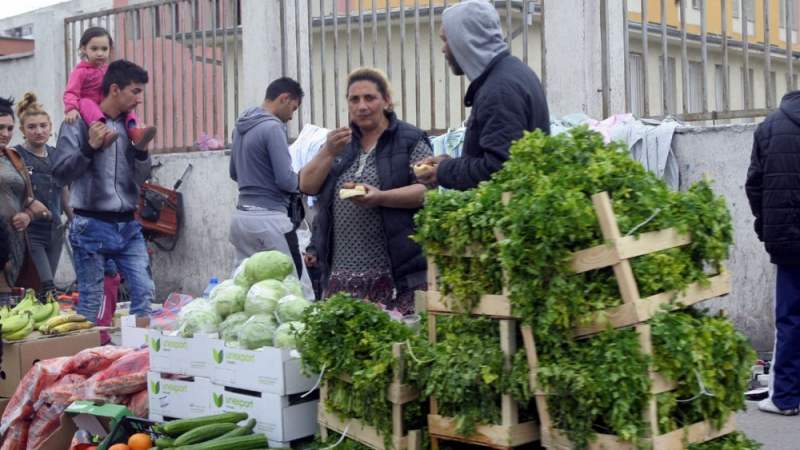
363,245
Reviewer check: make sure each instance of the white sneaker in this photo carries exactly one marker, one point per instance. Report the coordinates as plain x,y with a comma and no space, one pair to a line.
766,405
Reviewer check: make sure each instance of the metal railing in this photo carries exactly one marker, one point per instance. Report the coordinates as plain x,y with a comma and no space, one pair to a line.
402,39
731,35
192,52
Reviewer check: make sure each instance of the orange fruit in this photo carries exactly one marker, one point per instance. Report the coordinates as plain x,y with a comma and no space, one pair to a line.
119,447
139,441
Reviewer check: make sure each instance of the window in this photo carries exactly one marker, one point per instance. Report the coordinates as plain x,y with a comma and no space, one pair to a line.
637,84
791,16
751,10
719,92
736,8
695,87
672,87
696,4
134,25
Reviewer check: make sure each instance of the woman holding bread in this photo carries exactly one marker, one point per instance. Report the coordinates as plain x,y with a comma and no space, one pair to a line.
369,196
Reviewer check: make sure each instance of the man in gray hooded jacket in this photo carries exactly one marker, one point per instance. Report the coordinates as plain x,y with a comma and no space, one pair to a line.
262,166
505,95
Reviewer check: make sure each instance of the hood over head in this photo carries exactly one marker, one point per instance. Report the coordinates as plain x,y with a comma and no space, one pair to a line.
474,35
252,117
790,105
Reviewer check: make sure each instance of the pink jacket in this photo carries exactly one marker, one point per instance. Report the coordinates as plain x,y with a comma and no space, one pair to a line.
85,81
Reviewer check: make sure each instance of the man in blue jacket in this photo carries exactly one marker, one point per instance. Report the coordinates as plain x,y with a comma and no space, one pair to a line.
773,189
262,166
104,192
505,95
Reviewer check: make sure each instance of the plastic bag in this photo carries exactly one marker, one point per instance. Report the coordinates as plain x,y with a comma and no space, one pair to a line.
17,437
92,360
258,332
202,318
167,318
139,405
60,391
207,143
41,376
126,376
45,422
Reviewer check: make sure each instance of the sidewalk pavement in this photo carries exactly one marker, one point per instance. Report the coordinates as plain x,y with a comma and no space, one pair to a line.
774,431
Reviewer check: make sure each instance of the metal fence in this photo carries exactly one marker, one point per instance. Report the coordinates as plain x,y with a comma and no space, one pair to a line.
400,37
192,51
757,38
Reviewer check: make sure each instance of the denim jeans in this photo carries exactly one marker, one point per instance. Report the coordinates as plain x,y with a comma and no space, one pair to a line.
93,242
785,372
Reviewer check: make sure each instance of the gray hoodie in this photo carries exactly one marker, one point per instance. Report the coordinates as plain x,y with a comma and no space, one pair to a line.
260,161
474,35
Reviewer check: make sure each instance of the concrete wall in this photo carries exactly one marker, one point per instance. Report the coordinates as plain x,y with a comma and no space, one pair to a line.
725,153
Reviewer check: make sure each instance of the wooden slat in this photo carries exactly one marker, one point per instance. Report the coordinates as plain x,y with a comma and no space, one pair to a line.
655,241
508,343
432,275
415,440
358,431
644,309
610,229
472,251
650,414
595,258
557,439
397,408
434,404
498,306
694,434
532,356
661,384
420,301
498,436
400,394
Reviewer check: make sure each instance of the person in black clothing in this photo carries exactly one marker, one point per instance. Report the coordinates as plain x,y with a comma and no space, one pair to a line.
773,189
505,95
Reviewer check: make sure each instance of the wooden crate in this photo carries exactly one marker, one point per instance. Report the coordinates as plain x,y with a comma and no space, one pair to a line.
616,254
398,394
510,433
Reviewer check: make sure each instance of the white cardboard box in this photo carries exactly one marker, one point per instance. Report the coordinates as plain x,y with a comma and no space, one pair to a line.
180,399
275,417
134,331
180,355
271,370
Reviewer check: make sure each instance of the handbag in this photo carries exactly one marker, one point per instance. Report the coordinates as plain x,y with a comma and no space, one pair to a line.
296,210
153,204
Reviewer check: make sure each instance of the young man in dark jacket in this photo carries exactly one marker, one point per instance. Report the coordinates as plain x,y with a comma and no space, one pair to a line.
505,95
773,189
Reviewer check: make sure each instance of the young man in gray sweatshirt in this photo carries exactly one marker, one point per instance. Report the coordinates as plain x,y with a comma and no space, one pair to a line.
262,166
104,192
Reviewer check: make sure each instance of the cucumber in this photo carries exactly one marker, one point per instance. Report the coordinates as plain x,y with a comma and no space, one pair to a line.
253,441
163,443
245,430
177,427
204,433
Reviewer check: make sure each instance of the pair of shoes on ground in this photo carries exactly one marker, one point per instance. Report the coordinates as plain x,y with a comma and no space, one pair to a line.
766,405
140,136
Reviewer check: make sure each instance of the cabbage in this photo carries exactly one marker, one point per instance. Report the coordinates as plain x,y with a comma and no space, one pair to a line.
234,319
204,320
290,308
230,300
271,265
240,277
219,288
257,332
293,286
232,331
186,310
286,334
263,297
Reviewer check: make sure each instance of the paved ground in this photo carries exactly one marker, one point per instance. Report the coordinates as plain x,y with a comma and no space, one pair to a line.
774,431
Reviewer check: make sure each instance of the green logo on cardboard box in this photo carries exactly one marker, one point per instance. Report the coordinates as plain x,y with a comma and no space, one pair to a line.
218,400
218,356
155,387
157,345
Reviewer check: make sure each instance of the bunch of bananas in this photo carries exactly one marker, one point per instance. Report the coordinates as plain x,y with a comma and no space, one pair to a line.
65,323
15,322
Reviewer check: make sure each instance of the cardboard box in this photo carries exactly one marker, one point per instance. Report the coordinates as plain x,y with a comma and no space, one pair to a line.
95,417
276,417
19,357
134,331
180,355
178,399
271,370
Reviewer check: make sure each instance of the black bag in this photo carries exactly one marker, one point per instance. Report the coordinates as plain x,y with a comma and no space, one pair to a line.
153,204
296,210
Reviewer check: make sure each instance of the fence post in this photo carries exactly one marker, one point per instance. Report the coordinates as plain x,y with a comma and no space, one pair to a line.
573,61
261,48
49,78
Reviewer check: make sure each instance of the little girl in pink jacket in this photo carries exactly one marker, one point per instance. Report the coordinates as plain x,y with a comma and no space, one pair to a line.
85,89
